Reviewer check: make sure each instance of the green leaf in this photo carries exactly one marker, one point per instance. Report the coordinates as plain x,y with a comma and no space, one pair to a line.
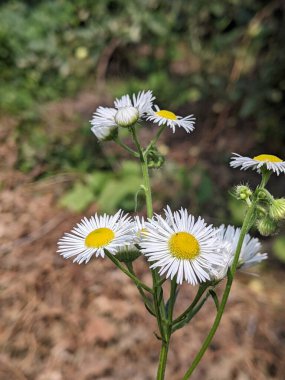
97,180
116,191
78,198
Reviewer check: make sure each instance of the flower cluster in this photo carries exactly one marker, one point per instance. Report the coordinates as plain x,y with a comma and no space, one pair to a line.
179,245
175,244
127,111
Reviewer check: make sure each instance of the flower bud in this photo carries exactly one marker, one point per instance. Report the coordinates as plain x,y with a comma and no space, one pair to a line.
242,192
277,209
155,159
264,195
266,226
127,116
261,211
128,254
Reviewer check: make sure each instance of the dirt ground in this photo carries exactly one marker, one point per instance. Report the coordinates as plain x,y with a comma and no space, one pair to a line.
63,321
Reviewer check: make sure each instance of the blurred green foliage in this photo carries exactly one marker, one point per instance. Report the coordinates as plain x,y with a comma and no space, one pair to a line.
56,150
225,52
110,190
223,56
279,248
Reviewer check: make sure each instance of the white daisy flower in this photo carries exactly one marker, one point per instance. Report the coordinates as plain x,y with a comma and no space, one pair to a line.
181,246
103,123
91,236
127,111
141,103
270,162
171,120
249,255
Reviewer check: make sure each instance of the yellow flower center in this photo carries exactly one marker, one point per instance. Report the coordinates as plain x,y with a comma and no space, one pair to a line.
167,114
267,158
99,238
184,246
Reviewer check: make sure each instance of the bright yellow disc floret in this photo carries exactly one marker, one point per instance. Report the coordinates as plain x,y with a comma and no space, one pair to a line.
184,246
267,158
99,238
166,114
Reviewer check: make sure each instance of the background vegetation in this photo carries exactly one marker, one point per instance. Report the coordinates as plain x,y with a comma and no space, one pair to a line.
222,61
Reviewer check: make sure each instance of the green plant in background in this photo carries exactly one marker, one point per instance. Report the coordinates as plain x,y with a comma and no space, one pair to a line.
198,51
178,247
202,53
112,191
279,248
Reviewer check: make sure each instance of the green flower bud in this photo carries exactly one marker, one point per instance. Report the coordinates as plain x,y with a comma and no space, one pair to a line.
154,158
277,209
128,254
266,226
264,195
261,211
242,192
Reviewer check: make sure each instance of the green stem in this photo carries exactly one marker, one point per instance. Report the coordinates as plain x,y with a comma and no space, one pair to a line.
147,189
154,141
231,272
265,178
213,294
199,294
157,302
162,281
165,343
128,273
140,289
157,289
143,160
162,361
192,313
126,147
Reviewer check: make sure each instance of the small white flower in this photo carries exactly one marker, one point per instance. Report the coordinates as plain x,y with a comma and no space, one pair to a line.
127,111
91,236
142,102
169,118
270,162
103,123
249,255
180,246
